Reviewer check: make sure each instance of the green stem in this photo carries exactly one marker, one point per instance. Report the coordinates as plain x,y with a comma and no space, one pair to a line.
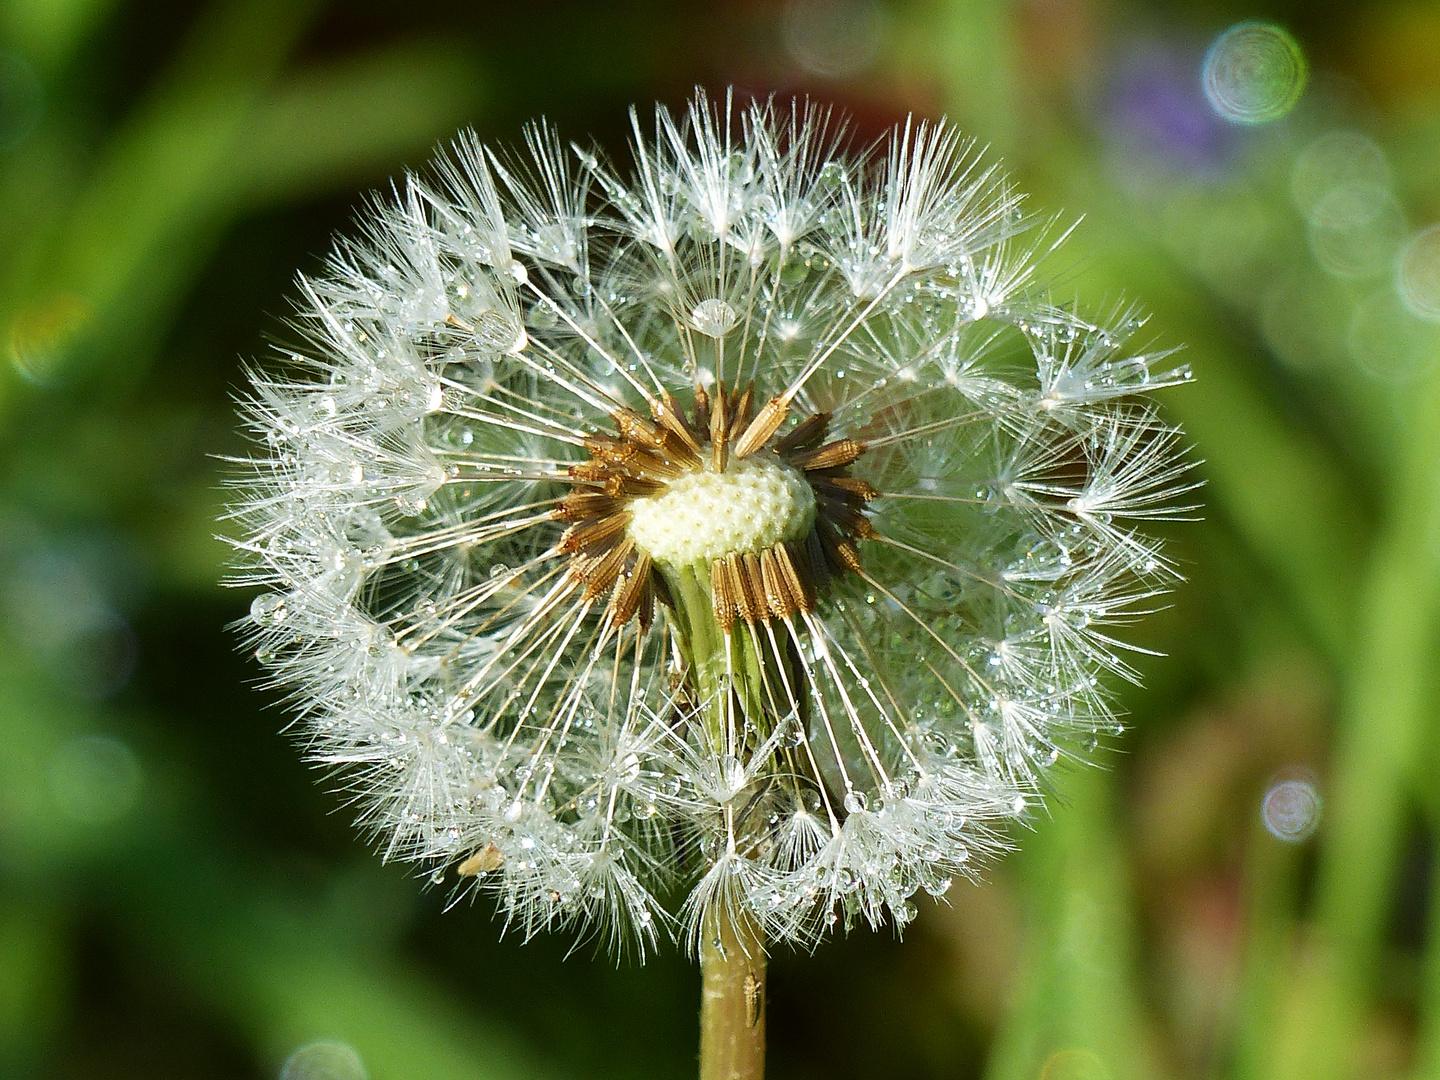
732,1001
728,672
721,665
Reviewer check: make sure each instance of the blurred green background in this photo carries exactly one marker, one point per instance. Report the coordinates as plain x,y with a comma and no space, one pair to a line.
1247,890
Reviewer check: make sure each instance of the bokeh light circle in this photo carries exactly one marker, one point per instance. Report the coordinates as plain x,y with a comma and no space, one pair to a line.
1341,179
1389,342
834,39
1291,810
324,1061
1418,273
1253,73
1361,247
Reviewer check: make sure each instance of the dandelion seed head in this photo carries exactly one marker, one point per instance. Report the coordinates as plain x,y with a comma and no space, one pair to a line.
754,522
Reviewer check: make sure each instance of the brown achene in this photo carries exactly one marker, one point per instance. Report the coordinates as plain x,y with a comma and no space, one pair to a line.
646,455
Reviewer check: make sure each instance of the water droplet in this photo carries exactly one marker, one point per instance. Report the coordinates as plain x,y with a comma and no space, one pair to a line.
713,318
268,609
832,174
856,801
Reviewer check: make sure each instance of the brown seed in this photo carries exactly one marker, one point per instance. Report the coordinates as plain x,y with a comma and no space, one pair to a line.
847,517
605,570
755,585
637,487
722,597
804,434
746,605
610,451
668,413
794,573
483,861
848,488
776,595
758,433
586,504
840,554
719,428
592,471
587,533
636,429
740,421
700,410
815,557
630,591
830,456
652,466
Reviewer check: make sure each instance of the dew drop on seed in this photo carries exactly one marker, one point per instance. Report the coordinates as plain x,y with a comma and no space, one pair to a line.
268,609
713,318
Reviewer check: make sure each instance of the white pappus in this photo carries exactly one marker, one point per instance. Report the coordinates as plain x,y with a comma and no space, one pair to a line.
741,536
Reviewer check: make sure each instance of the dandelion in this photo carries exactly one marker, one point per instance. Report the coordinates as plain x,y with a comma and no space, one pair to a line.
725,551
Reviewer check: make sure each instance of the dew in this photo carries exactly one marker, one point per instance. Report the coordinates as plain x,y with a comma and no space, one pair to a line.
1253,73
1418,274
324,1061
513,811
794,271
856,802
268,609
832,174
1291,810
713,318
499,331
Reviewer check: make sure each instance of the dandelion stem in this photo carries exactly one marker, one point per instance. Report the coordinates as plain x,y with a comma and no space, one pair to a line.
732,999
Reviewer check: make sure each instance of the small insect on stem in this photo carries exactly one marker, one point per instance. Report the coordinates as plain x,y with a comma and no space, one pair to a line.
754,999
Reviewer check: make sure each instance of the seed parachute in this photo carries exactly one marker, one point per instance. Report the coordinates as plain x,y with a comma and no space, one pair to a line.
741,537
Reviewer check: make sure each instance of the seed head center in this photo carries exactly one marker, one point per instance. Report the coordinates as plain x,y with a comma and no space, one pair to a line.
704,515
